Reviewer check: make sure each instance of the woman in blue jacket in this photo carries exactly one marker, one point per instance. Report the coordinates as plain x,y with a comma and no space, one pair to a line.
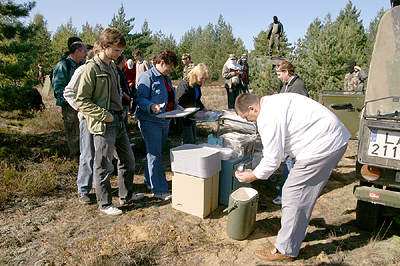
155,95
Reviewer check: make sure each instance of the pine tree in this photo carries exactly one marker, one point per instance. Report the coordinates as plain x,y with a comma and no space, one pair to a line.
17,50
371,34
322,55
59,42
42,41
90,34
118,21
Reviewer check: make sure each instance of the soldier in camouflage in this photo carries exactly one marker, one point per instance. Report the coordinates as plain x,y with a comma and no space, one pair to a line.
274,35
188,64
354,80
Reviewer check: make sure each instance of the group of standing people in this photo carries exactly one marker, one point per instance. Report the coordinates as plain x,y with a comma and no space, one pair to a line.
94,89
291,125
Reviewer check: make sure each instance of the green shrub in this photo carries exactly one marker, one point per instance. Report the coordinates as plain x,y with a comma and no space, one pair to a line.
24,98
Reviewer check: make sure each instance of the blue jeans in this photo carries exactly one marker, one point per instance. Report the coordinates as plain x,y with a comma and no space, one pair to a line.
116,139
288,164
155,136
86,146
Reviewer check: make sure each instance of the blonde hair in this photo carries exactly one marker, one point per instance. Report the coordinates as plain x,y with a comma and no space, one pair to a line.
198,70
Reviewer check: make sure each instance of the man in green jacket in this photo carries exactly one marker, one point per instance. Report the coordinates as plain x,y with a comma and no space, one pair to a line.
99,98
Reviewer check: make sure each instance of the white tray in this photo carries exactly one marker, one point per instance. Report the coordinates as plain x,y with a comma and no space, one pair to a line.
178,113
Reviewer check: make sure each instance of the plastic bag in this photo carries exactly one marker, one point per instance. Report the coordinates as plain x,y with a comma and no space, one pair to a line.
238,143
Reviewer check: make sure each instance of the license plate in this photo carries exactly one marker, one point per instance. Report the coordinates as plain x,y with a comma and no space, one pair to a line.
384,144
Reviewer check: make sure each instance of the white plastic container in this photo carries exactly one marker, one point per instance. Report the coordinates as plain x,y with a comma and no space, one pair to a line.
195,160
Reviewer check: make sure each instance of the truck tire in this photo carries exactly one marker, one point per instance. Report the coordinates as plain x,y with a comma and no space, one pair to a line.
367,215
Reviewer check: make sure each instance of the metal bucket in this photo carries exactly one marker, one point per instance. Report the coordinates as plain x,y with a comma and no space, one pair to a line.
242,210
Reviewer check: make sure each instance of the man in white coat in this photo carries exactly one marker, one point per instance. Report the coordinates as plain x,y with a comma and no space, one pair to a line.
304,129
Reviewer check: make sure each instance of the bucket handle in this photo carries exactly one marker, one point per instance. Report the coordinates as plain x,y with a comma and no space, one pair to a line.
234,206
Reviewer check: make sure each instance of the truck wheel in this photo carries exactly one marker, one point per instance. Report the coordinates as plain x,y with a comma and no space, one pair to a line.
367,215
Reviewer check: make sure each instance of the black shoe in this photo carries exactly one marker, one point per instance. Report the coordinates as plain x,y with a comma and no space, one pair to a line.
83,198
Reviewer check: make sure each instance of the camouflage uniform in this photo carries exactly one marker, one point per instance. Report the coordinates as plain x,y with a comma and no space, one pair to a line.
355,81
274,34
187,69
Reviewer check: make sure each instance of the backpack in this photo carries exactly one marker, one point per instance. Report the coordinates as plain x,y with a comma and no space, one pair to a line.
67,62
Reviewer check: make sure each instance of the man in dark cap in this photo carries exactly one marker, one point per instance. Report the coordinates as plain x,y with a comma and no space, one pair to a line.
186,60
71,40
354,79
275,32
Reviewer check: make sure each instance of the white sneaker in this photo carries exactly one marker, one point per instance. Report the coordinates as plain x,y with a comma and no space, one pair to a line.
134,197
164,196
111,210
278,200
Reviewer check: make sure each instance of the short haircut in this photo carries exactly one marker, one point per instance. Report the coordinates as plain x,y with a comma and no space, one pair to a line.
136,52
73,39
75,46
243,101
285,65
119,59
112,36
168,57
198,70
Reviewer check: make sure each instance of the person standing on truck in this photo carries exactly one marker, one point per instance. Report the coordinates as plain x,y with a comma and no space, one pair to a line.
274,35
306,130
354,80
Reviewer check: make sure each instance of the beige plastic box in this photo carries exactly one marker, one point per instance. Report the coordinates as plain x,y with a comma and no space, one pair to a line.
195,160
194,195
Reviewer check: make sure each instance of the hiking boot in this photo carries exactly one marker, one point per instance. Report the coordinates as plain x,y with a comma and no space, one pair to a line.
164,196
111,210
277,200
84,198
123,202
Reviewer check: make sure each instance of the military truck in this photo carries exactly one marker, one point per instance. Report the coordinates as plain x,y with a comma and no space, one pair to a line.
347,106
378,158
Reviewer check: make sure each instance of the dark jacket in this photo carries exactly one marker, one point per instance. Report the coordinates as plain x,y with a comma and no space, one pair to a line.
280,29
295,85
186,97
124,86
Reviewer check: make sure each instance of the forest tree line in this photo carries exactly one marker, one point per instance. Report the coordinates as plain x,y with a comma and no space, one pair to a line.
320,56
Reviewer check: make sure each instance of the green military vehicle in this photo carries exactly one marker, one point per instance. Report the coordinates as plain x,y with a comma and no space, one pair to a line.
378,159
347,106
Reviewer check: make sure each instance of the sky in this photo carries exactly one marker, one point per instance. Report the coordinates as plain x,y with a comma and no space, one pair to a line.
247,18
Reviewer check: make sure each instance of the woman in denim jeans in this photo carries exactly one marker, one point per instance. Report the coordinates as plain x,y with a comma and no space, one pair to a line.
155,95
